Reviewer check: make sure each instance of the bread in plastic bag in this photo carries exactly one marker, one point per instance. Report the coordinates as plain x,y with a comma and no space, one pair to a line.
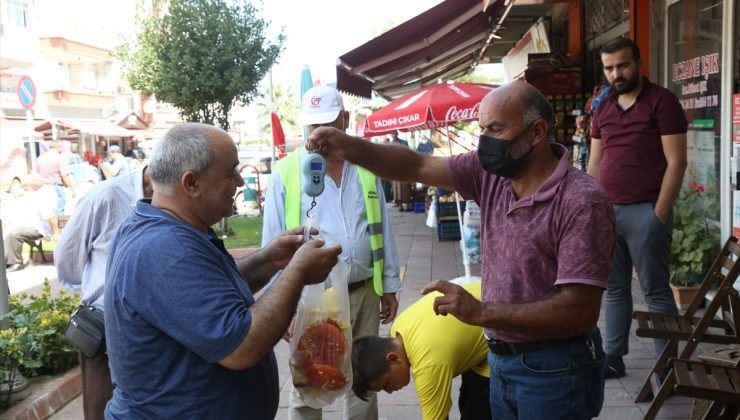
321,347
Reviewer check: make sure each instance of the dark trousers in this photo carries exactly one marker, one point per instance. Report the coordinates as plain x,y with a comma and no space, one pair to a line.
387,190
97,388
643,243
14,243
474,398
402,193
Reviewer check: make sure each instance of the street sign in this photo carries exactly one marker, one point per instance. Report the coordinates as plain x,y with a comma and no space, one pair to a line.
26,92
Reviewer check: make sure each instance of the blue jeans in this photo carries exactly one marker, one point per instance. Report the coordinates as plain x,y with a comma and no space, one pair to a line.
563,381
61,199
645,243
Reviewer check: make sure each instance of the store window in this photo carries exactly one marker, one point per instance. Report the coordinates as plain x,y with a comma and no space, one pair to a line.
735,111
695,64
17,13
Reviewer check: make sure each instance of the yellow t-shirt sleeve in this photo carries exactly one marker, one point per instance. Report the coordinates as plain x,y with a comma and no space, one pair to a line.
433,386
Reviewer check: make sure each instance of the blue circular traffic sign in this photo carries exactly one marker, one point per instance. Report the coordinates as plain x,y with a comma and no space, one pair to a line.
26,92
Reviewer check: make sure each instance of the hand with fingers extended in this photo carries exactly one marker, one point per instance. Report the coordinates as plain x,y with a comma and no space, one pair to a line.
388,307
281,249
312,263
456,301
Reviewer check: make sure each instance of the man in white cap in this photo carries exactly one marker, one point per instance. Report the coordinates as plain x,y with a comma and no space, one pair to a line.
118,164
351,212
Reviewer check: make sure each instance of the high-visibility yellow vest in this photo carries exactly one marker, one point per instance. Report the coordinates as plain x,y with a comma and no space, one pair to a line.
290,175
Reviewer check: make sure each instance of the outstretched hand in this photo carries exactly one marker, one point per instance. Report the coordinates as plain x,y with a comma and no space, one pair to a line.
455,300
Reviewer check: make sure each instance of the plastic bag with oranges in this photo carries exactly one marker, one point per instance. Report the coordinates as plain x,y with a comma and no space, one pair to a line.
320,348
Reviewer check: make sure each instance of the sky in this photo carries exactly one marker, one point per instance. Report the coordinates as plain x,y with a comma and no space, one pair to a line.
320,31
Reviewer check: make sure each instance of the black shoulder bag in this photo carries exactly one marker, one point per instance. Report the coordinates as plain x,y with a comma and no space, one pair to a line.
86,330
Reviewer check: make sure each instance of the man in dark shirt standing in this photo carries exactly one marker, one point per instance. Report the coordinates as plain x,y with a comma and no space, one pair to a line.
638,154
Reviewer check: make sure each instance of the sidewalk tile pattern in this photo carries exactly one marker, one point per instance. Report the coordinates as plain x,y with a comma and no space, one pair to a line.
426,259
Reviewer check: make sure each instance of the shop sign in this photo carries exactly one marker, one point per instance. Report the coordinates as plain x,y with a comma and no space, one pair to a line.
702,123
534,41
736,118
693,75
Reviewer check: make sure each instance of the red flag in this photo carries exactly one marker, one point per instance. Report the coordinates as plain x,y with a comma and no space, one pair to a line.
360,129
278,136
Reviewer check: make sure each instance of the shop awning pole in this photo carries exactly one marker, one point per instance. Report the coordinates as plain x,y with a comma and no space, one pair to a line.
466,260
31,139
4,292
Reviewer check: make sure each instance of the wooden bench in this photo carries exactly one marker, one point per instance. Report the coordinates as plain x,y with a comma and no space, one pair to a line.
37,246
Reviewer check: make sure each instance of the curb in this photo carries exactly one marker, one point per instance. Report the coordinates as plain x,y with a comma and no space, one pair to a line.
48,399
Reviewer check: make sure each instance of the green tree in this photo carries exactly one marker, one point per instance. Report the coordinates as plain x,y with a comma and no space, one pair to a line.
477,77
285,104
202,56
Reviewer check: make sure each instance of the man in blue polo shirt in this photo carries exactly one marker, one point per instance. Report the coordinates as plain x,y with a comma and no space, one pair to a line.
638,154
186,337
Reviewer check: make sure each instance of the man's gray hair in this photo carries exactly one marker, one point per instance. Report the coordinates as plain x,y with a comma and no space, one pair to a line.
536,106
185,147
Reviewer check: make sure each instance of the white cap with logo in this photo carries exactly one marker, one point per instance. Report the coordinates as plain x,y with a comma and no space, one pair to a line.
320,105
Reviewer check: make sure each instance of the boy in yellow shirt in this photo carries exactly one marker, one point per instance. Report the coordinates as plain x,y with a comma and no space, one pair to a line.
435,349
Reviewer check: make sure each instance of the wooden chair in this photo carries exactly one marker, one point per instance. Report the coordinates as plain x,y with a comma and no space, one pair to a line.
719,384
691,328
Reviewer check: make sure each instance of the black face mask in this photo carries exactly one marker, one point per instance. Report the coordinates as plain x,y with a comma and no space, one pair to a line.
494,157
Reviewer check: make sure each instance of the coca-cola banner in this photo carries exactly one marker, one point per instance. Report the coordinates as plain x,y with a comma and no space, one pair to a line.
430,107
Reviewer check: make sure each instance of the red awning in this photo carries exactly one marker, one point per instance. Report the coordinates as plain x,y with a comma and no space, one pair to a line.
101,128
443,42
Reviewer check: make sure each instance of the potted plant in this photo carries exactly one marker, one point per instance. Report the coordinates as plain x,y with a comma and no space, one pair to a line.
695,242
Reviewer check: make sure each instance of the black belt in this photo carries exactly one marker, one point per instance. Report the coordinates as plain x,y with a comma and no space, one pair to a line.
356,285
503,348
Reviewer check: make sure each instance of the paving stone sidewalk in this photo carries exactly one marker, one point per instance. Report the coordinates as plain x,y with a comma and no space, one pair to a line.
424,259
